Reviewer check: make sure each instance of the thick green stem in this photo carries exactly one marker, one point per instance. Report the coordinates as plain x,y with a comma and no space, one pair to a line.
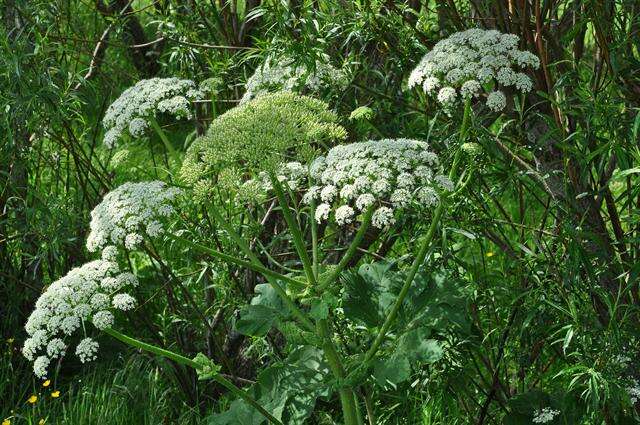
347,396
315,257
422,253
294,228
353,248
195,365
424,248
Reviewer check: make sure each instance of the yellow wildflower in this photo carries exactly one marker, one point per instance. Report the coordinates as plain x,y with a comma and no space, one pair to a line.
32,399
55,394
490,254
6,422
42,421
46,383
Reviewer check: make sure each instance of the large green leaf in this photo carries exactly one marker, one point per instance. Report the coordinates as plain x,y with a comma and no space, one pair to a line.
434,306
418,348
434,300
267,296
265,311
392,370
369,293
256,320
288,390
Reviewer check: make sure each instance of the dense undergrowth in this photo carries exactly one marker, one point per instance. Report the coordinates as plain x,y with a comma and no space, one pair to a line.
257,211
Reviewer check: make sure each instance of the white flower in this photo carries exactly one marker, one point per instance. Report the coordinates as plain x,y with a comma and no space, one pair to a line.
545,415
312,193
83,311
178,106
131,111
70,324
427,196
470,88
523,82
128,212
124,302
466,60
400,198
430,84
110,253
364,201
87,350
85,292
102,319
285,74
506,76
380,187
375,173
40,366
154,228
132,241
30,348
328,193
383,217
348,191
344,215
322,212
447,96
99,301
496,101
56,348
138,127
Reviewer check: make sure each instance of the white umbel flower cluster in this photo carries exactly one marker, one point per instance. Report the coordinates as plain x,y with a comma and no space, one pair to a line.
86,293
545,415
284,74
87,350
130,112
387,175
130,213
462,65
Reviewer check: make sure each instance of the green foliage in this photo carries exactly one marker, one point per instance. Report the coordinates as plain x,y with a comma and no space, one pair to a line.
435,300
265,311
435,307
528,298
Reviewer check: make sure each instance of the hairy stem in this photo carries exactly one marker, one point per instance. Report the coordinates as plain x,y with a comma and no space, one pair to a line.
294,228
347,396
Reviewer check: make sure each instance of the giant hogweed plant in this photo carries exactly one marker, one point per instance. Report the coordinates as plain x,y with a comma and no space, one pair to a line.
271,148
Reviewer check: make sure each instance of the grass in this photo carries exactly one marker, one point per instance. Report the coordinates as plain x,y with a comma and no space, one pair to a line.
120,392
